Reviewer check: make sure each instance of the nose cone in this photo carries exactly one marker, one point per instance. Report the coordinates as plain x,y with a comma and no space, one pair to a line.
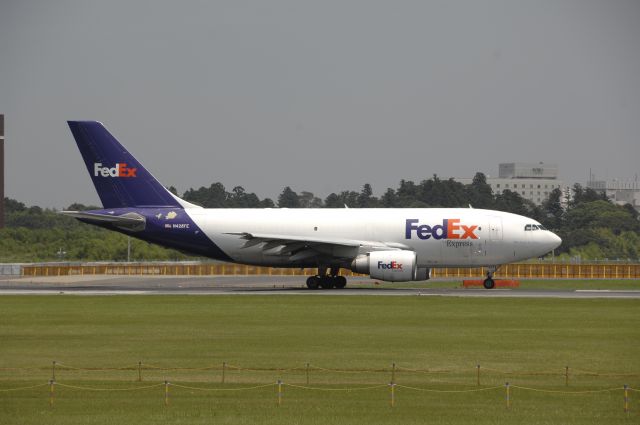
554,241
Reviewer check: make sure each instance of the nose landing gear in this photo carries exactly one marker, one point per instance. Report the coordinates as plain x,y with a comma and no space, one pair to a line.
489,283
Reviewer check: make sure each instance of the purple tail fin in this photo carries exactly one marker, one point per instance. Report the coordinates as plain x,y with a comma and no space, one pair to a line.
120,180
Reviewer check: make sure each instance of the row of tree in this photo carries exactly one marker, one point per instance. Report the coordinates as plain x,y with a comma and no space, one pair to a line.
589,224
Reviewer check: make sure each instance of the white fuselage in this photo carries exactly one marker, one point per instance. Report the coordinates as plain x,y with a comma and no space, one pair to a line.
473,237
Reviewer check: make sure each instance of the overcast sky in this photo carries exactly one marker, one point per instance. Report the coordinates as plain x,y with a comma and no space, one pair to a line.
319,95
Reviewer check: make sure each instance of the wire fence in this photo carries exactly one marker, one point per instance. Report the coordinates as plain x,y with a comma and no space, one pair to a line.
395,379
280,385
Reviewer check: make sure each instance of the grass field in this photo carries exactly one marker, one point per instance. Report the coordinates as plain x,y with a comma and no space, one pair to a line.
533,339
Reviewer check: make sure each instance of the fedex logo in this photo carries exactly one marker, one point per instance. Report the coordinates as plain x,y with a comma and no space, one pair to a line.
449,229
394,265
120,170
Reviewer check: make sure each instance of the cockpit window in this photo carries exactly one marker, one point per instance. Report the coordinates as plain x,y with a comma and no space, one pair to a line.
527,228
541,227
532,227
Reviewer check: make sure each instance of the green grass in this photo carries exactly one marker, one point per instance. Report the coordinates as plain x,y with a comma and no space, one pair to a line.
523,336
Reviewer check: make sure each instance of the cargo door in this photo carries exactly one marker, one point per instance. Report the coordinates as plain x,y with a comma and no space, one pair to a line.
494,245
495,228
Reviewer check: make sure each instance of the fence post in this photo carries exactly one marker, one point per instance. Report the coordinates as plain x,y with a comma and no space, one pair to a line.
307,374
166,393
140,371
393,373
224,368
52,384
566,376
508,396
392,385
279,392
626,398
478,373
53,370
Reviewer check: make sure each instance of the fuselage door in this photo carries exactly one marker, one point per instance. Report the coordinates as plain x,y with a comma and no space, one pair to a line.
495,228
493,244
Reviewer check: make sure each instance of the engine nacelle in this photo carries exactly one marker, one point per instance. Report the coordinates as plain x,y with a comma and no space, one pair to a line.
392,266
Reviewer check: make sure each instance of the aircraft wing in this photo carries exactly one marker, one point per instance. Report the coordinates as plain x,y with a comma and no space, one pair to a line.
300,248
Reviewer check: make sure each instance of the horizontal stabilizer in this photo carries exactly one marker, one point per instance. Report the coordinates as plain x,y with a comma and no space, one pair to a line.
131,221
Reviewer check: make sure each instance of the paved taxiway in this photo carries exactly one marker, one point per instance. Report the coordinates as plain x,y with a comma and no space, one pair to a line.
260,285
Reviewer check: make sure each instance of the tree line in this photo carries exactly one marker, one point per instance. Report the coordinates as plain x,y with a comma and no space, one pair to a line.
590,225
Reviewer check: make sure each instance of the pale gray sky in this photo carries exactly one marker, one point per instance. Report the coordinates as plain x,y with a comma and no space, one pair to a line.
319,95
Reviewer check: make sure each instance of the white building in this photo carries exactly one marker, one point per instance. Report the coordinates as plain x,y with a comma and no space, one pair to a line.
532,181
620,192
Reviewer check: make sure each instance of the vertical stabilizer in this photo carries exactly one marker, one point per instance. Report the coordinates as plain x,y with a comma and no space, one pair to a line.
120,180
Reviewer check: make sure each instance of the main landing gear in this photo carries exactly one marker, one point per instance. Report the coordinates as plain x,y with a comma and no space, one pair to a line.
324,281
489,283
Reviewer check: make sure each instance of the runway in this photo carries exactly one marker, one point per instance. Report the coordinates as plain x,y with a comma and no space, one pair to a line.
266,285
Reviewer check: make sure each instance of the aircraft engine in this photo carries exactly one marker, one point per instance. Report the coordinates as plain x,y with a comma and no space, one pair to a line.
391,266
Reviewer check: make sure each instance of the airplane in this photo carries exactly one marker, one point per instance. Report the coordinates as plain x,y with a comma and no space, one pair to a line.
388,244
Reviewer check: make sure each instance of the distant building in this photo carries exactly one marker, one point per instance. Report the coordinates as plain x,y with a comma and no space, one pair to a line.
532,181
523,170
618,191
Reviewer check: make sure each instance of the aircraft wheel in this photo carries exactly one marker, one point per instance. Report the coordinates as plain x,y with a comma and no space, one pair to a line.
326,282
489,283
340,282
313,282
